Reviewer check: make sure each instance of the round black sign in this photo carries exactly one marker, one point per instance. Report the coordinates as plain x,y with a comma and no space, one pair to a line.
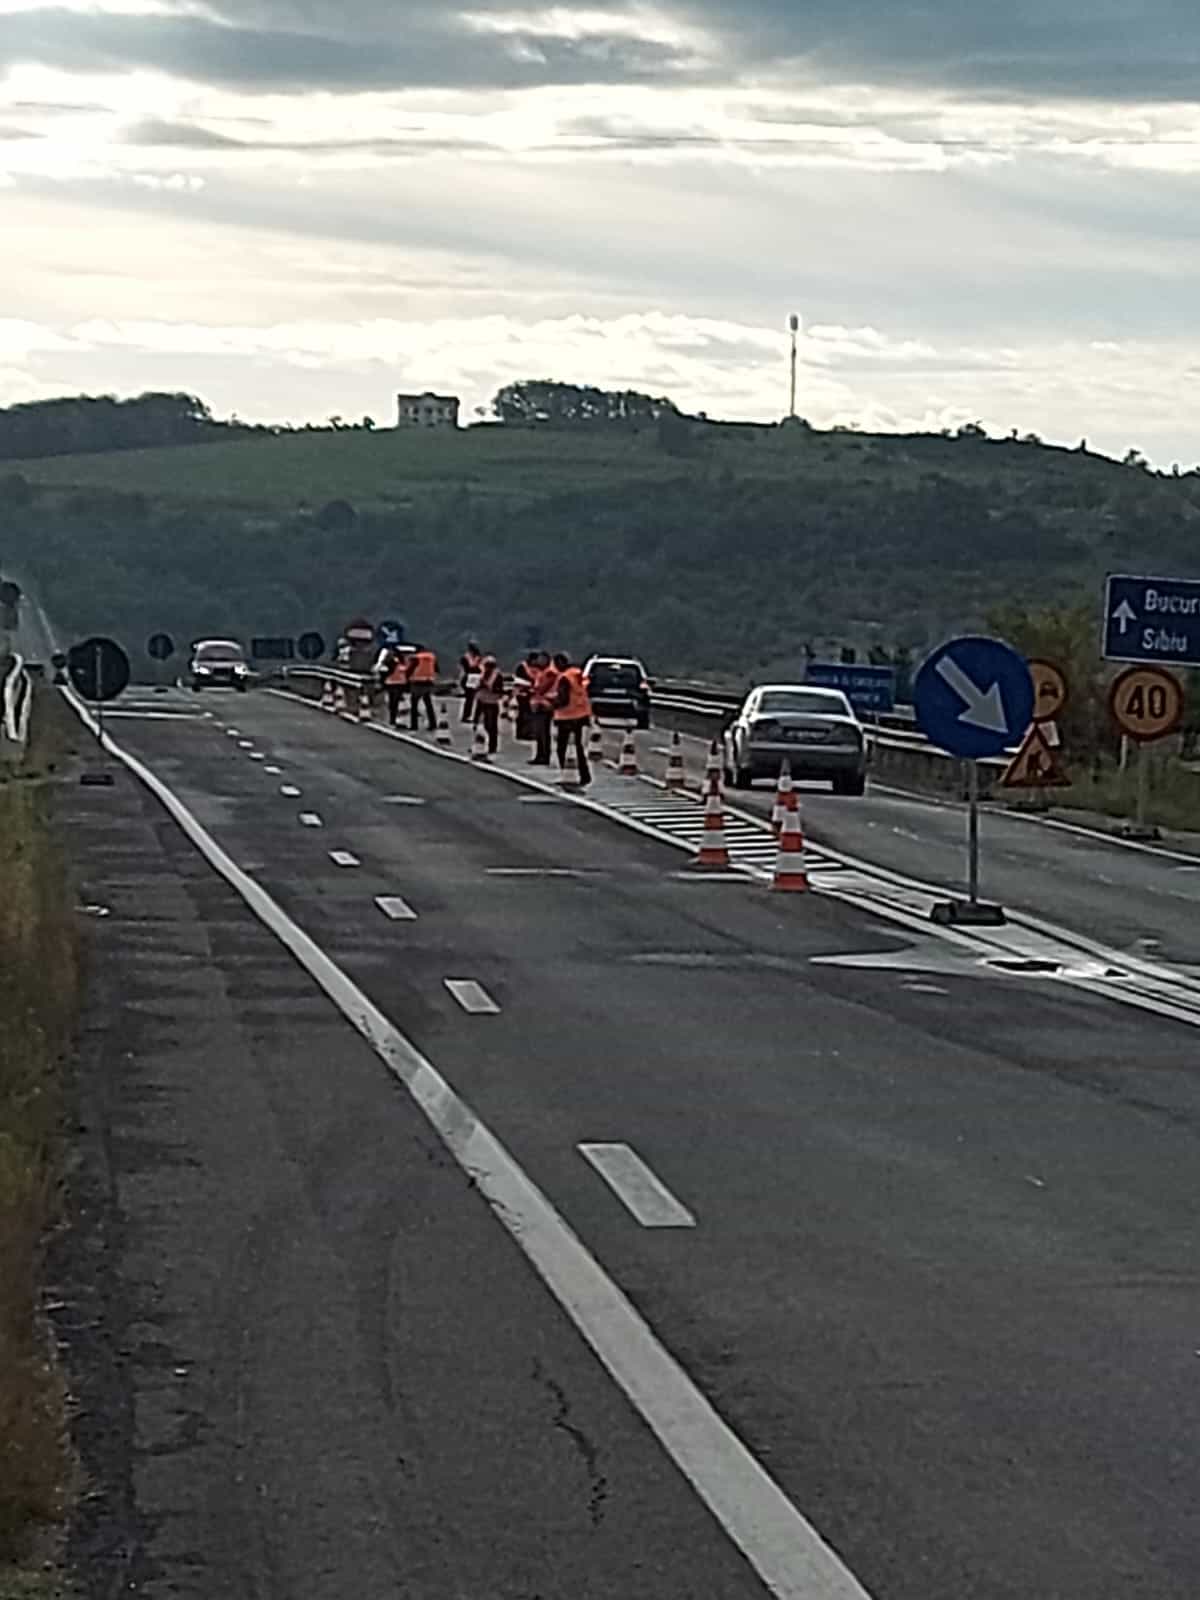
98,669
310,646
161,646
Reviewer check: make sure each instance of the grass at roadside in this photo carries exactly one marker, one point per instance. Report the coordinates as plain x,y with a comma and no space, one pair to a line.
38,987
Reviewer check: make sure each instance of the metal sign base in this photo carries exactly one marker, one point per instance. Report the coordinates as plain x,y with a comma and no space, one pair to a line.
967,914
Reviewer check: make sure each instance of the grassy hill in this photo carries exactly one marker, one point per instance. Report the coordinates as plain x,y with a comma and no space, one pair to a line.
723,552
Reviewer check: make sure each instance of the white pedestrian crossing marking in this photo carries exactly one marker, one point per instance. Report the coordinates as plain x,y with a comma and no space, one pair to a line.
310,819
344,858
392,906
472,997
637,1187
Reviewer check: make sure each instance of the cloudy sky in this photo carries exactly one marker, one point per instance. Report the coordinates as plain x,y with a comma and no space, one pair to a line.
297,207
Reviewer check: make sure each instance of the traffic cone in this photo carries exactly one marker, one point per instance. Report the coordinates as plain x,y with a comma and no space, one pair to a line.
595,747
629,766
676,777
339,699
364,704
569,776
713,767
327,703
786,798
479,745
714,851
789,863
445,739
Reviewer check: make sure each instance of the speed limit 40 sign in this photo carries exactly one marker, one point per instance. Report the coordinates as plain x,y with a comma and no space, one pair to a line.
1146,703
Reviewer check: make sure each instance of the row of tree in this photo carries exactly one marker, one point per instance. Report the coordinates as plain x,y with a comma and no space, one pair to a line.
82,423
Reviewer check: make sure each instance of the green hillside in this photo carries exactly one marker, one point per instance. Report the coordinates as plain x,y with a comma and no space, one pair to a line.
719,548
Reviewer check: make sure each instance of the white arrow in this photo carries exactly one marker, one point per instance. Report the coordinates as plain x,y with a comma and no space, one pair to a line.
1124,614
985,708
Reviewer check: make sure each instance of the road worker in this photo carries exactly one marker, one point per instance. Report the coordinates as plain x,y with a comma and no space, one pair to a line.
470,670
395,683
422,676
572,715
488,698
541,708
523,680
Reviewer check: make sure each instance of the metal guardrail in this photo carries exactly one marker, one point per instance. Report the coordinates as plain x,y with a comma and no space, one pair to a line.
16,705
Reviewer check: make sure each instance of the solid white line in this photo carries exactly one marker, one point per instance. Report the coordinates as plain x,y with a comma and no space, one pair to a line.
639,1189
344,858
786,1551
472,997
310,819
289,790
392,906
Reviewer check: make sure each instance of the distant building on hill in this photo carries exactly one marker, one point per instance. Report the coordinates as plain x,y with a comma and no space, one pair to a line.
427,410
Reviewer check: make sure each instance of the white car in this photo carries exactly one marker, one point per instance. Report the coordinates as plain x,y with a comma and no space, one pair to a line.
816,730
218,664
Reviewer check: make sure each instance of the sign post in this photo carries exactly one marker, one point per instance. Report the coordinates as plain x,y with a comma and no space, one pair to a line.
1147,704
973,698
160,647
99,671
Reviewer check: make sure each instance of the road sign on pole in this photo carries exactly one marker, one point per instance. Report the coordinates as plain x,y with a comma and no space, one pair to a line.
99,670
1152,619
1035,765
1050,691
160,647
1146,703
866,688
390,634
310,646
973,697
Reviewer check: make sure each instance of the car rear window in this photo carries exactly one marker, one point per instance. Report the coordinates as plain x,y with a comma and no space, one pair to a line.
799,700
617,674
219,652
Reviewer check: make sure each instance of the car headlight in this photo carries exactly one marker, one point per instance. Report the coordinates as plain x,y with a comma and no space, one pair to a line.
241,669
201,671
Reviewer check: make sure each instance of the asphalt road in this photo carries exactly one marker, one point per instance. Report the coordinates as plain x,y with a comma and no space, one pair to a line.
941,1278
1137,900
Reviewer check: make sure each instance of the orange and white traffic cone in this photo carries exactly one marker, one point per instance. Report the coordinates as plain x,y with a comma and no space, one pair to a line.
364,705
479,745
786,798
445,739
327,701
714,850
339,699
595,748
676,777
629,764
790,874
713,767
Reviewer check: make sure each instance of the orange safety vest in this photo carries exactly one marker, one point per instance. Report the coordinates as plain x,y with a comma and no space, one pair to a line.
491,686
545,686
424,667
398,671
578,706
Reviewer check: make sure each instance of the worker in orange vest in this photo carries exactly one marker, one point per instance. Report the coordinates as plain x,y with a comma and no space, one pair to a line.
488,699
541,708
523,679
395,682
470,670
572,715
422,675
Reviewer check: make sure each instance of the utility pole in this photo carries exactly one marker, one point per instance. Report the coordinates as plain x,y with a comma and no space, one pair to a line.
794,325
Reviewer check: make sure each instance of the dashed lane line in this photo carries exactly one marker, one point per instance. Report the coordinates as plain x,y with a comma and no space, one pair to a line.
344,858
394,907
311,819
289,791
638,1188
472,997
273,772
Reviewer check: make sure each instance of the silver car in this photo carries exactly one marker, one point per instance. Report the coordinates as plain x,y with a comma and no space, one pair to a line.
815,729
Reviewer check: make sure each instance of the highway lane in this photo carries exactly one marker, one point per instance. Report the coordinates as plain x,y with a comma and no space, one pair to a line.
1133,899
941,1277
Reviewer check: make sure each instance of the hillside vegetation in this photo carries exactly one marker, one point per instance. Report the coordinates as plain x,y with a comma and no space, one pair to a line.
718,548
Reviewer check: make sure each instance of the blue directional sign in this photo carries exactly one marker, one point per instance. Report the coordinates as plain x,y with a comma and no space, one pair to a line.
974,697
1152,619
389,634
866,688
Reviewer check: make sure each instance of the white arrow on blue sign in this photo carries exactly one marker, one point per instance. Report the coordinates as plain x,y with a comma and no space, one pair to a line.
1152,619
974,697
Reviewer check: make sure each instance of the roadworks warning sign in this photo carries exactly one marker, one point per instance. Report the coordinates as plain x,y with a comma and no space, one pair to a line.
1035,765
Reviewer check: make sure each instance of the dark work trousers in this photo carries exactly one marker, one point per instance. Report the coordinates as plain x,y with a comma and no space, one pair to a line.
395,694
565,732
422,695
468,704
539,732
489,716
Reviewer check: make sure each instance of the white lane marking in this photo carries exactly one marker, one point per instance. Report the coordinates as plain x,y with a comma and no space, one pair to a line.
402,800
134,715
274,771
541,800
233,733
245,744
257,755
392,906
310,819
472,997
782,1546
639,1189
539,872
289,790
344,858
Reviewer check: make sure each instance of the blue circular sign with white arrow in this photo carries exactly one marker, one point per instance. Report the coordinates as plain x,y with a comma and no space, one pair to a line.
974,697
